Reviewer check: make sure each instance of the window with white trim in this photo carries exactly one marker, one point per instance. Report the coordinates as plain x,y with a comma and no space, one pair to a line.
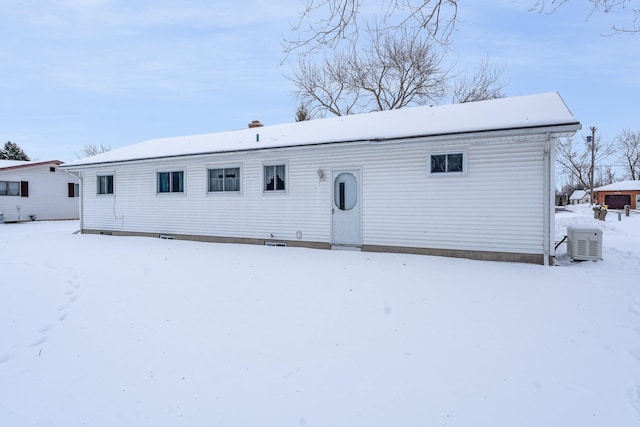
224,180
275,178
448,163
105,184
171,182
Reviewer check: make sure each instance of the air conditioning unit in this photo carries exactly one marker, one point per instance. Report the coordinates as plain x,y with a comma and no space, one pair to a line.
584,244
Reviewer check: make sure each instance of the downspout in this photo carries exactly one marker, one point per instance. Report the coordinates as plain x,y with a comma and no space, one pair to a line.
547,206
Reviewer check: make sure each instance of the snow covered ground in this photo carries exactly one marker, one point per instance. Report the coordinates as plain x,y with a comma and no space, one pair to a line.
124,331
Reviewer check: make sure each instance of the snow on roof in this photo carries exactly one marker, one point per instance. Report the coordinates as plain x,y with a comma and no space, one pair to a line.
17,164
547,109
620,186
11,163
578,194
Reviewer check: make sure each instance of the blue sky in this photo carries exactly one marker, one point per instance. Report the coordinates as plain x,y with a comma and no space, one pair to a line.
114,72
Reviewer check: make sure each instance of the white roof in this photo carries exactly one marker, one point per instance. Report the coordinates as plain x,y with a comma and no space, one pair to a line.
578,195
4,164
546,109
10,163
620,186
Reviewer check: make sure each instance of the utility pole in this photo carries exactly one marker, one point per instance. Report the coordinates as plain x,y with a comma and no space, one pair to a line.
592,139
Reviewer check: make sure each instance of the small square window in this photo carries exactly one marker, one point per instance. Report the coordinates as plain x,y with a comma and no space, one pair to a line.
171,182
52,169
105,184
275,178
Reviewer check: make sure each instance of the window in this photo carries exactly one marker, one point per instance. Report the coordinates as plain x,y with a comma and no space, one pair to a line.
52,169
73,190
105,184
9,188
275,178
448,163
224,179
24,188
171,182
14,188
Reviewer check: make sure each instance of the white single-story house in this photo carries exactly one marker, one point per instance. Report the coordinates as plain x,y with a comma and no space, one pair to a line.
426,180
619,194
579,197
37,190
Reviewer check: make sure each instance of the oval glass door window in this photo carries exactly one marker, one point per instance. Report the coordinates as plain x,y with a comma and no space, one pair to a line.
345,191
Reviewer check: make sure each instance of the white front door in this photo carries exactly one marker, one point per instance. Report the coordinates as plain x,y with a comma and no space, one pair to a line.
345,208
637,201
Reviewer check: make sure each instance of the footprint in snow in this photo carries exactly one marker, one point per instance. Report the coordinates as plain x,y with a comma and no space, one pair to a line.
634,398
6,357
39,341
46,328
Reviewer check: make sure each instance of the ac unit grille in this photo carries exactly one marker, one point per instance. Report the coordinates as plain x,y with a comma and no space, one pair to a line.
588,248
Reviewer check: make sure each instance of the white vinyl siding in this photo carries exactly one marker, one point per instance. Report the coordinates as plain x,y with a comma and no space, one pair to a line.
401,205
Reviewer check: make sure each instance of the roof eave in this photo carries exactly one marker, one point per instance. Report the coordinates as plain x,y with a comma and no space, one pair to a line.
557,130
32,164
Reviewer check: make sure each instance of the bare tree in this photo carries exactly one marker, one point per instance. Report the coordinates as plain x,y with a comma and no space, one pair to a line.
628,149
327,88
92,150
398,70
327,23
580,161
599,6
302,113
574,162
606,175
390,73
394,70
484,83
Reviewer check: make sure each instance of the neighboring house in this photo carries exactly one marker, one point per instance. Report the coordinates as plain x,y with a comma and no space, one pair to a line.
579,197
619,194
37,190
426,180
